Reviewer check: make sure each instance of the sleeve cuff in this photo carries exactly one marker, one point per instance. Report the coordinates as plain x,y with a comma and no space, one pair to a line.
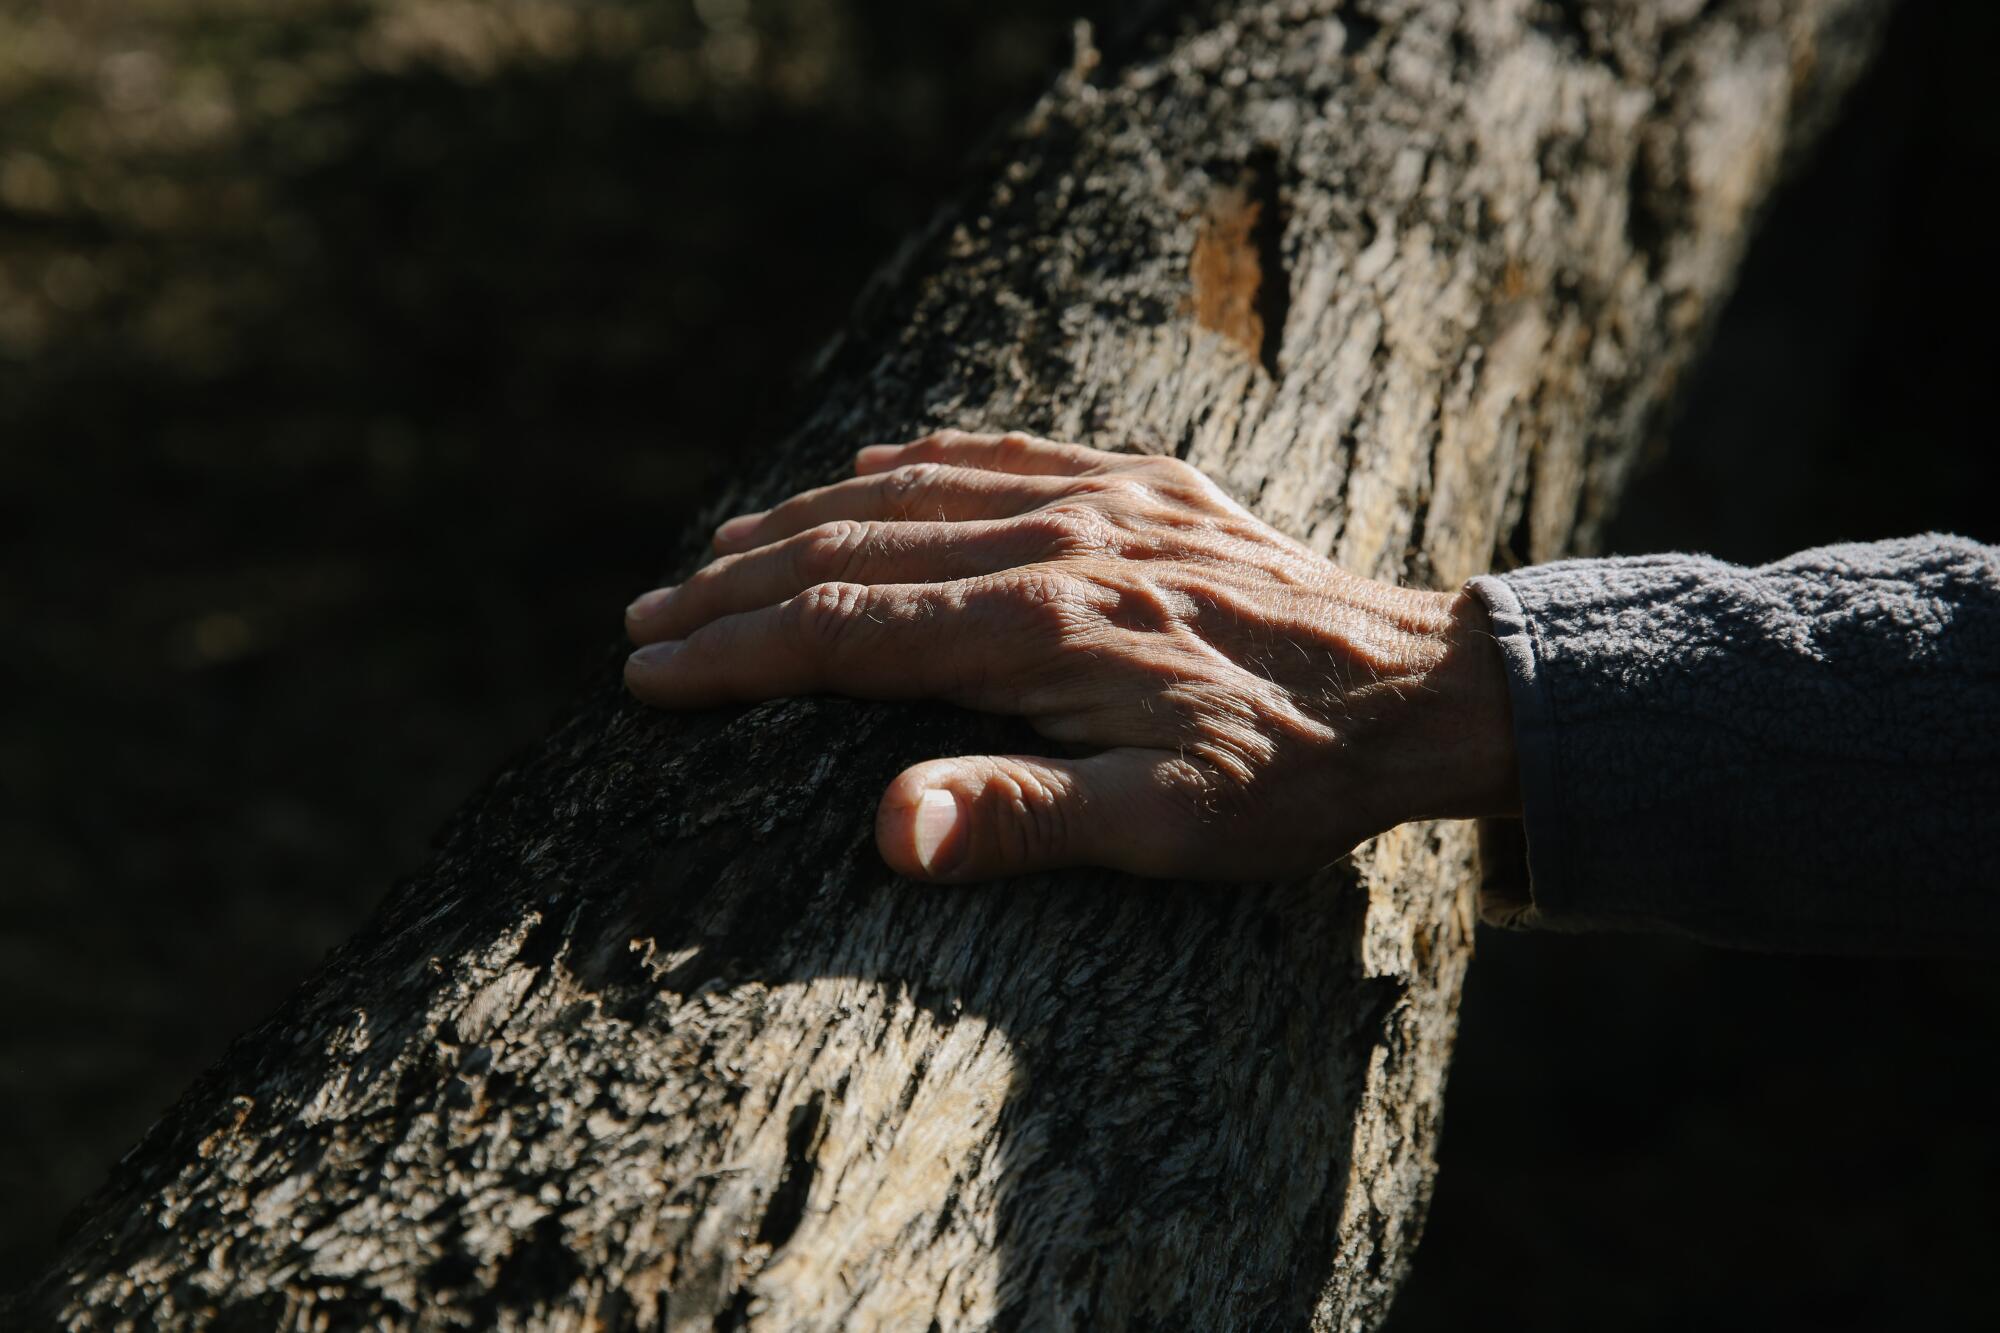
1506,897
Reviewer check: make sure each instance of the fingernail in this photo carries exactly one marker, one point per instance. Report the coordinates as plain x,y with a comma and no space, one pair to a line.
876,454
654,654
648,603
736,529
938,819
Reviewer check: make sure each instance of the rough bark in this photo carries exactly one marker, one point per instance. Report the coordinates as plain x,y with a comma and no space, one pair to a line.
656,1041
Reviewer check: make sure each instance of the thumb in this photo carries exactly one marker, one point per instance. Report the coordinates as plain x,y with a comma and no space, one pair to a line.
986,816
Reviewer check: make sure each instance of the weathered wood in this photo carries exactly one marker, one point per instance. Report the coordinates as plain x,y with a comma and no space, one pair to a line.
655,1041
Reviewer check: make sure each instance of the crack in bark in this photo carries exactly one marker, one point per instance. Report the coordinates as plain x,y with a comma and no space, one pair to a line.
788,1202
1267,236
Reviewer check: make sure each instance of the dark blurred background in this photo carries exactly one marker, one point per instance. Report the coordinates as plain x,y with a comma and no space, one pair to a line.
358,361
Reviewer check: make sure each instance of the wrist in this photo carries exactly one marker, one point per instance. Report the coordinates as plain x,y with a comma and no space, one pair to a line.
1478,773
1451,753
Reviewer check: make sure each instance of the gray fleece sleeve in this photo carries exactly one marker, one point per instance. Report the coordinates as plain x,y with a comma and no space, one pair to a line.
1804,755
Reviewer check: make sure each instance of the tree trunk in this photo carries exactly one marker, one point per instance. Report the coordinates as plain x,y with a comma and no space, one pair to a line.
656,1041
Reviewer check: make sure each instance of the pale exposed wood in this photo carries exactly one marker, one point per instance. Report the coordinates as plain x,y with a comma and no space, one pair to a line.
656,1042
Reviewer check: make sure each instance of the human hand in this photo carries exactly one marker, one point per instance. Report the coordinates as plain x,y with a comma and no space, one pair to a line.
1243,708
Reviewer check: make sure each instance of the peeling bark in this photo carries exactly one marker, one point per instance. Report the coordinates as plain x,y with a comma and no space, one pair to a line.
655,1041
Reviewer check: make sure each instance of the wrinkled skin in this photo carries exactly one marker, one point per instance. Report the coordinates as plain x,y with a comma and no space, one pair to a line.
1221,702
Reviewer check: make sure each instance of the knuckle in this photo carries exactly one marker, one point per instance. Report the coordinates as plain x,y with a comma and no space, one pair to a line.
1120,490
823,615
1193,788
1052,603
904,482
1070,529
1177,479
831,551
1032,822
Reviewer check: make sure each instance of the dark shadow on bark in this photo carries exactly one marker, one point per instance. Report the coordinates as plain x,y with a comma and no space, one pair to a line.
316,486
475,340
665,852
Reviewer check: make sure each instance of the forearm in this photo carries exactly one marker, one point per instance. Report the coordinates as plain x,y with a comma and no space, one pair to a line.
1802,755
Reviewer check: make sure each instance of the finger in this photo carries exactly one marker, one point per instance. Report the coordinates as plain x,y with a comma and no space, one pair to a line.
880,642
919,491
988,816
846,551
1011,452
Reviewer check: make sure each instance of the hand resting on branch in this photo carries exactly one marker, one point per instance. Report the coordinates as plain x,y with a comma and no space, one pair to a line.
1227,704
